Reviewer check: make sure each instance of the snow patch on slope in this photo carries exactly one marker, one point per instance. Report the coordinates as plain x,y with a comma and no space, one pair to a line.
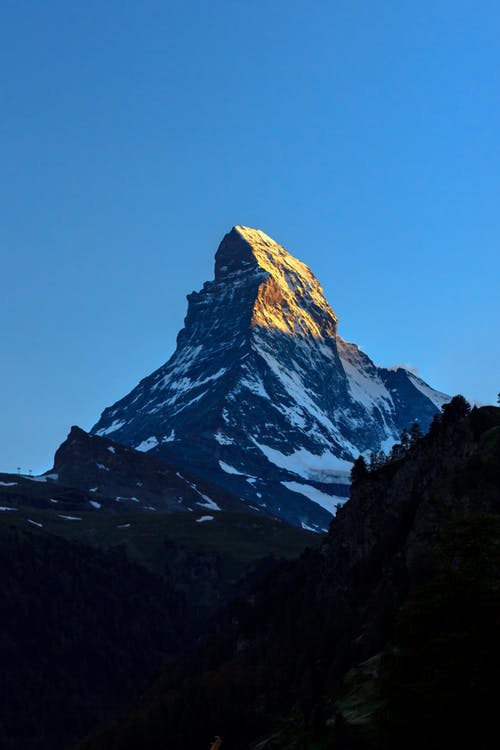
230,469
208,502
437,398
183,385
113,427
223,439
308,465
147,445
365,384
328,502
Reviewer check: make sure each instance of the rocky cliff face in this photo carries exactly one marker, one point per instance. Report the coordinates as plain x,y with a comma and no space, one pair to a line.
133,479
262,395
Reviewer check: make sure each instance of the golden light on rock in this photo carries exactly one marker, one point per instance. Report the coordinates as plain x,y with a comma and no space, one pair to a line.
290,299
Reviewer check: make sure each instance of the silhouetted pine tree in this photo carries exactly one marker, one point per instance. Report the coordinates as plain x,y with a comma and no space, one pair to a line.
359,469
456,409
415,433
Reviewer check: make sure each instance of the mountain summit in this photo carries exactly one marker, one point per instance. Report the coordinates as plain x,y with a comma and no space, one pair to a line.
289,298
262,395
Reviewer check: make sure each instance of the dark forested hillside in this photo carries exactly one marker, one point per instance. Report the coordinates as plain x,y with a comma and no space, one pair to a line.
386,637
81,631
85,627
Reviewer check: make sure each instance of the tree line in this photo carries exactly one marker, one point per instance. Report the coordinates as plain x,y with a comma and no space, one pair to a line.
451,412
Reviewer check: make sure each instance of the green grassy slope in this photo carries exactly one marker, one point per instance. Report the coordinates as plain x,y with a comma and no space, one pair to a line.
238,539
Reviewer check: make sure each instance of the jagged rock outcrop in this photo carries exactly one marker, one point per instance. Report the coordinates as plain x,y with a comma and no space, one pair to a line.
262,396
133,478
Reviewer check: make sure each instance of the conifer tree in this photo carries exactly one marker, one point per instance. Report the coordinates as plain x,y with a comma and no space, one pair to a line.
359,469
415,433
435,427
405,439
397,452
455,410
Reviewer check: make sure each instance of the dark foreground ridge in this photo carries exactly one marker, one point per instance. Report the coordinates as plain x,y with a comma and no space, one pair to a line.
95,601
385,637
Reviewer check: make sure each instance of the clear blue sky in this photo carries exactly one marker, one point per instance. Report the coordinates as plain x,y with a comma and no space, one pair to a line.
364,136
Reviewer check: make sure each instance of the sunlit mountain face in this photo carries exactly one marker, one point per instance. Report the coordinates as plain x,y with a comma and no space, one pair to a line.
262,396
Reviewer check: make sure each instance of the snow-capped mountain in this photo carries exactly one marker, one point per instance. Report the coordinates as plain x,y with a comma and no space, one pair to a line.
262,395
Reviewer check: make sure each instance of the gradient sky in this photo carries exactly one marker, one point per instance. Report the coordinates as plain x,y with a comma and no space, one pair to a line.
363,136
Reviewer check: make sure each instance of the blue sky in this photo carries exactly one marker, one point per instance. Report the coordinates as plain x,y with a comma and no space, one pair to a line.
362,136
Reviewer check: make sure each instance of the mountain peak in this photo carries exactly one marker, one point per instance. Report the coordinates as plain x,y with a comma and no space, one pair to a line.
245,245
289,298
252,235
261,395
